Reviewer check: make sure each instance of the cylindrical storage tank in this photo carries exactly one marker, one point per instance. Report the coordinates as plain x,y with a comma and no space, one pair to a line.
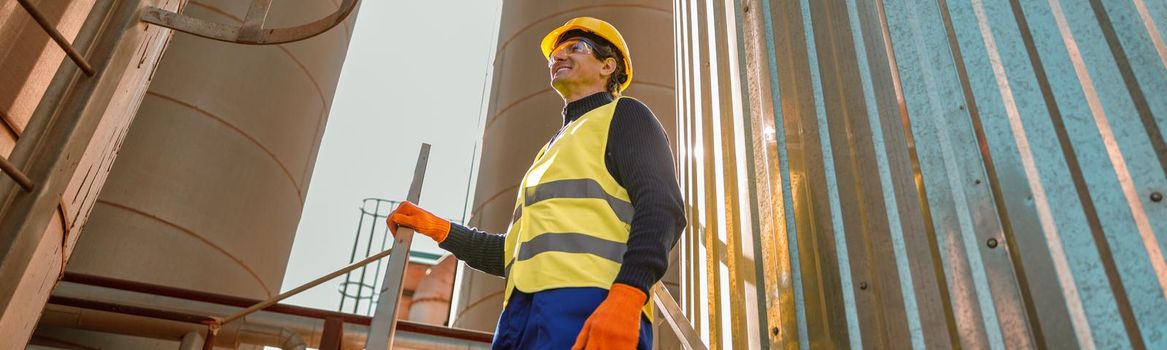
208,188
431,300
525,111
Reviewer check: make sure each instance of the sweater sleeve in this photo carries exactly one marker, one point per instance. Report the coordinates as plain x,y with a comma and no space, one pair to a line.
481,250
639,157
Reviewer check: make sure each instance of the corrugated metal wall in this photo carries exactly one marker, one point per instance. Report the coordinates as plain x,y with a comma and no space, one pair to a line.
924,173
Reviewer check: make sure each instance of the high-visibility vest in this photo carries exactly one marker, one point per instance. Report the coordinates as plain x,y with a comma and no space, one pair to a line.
572,219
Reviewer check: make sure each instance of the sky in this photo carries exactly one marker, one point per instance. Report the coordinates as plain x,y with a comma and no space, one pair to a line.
415,72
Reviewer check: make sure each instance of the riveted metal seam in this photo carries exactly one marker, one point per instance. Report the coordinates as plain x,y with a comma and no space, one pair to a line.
1126,182
907,292
922,191
1041,201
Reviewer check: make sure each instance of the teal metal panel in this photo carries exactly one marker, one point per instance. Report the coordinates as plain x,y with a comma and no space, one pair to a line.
954,177
950,173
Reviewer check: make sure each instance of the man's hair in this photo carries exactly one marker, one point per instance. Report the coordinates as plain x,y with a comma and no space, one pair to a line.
604,51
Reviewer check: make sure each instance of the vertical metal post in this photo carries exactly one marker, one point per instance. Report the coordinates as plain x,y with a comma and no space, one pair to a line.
368,250
385,319
351,259
209,340
333,334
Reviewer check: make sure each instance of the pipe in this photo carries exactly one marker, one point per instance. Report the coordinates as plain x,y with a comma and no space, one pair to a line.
192,341
101,316
285,339
292,342
57,343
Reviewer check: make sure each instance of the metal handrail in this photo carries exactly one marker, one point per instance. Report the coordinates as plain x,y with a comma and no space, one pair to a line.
675,317
276,299
17,175
214,324
384,321
12,170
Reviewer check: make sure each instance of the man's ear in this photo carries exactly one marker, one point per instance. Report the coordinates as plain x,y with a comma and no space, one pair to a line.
609,67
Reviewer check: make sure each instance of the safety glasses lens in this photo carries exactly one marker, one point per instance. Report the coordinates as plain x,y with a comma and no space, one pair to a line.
573,47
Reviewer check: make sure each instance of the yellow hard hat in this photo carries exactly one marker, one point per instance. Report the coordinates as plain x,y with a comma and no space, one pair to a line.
598,27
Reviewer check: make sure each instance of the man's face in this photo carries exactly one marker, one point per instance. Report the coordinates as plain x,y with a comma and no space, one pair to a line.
574,67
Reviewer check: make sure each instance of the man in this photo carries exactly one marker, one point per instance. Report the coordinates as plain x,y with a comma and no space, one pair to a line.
596,214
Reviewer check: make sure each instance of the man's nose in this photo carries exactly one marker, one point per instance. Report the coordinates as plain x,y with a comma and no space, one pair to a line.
557,56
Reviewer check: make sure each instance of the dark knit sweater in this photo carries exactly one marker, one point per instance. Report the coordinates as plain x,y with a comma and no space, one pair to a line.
639,158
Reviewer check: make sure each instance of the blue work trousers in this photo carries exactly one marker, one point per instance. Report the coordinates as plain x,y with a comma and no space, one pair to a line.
552,319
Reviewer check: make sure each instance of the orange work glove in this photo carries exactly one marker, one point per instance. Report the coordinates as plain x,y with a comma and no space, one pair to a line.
419,220
616,322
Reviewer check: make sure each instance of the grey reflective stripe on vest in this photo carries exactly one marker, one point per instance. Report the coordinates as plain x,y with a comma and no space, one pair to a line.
579,188
517,215
569,243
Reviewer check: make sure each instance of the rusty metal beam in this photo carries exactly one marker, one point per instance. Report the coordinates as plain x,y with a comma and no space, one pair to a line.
209,339
333,334
130,310
193,295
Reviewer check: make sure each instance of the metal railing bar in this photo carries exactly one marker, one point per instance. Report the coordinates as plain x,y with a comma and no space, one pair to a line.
276,299
19,176
676,318
57,37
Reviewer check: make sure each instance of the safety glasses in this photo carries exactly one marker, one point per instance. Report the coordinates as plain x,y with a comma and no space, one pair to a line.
573,46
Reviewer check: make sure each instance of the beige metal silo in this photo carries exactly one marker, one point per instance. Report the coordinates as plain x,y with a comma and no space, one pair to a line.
524,111
210,182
